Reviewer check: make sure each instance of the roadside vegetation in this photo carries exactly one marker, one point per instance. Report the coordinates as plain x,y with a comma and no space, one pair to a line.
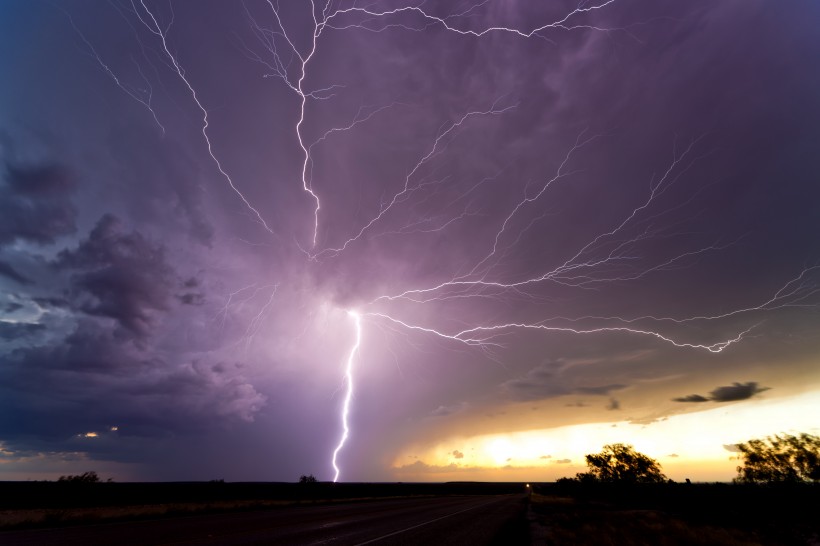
625,499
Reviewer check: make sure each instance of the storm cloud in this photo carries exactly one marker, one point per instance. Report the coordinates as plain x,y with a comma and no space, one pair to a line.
35,204
607,213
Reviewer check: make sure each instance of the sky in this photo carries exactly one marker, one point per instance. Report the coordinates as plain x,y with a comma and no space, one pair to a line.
405,240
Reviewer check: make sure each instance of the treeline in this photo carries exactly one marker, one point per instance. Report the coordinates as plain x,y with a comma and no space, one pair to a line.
782,458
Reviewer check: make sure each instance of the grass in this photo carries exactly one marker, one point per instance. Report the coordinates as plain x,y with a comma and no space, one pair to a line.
54,517
563,521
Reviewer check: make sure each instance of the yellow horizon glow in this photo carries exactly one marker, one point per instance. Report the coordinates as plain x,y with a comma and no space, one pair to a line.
688,445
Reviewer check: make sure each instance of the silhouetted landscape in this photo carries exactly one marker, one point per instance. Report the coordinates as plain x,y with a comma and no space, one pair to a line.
567,512
409,272
623,498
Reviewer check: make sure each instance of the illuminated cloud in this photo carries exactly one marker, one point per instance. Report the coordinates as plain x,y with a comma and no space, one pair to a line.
515,218
420,466
443,411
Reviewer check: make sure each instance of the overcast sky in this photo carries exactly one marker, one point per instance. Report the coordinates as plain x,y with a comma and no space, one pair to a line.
549,227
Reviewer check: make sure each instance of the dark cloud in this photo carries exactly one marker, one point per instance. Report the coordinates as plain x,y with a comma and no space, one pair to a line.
51,302
35,205
92,379
457,454
562,461
119,275
545,457
736,391
548,380
691,398
613,405
728,393
40,180
6,270
10,331
732,448
191,298
103,364
11,307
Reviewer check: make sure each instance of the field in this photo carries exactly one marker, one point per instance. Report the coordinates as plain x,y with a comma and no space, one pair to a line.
673,514
556,514
48,504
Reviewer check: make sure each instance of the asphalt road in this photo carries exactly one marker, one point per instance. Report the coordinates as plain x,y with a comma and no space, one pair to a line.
471,520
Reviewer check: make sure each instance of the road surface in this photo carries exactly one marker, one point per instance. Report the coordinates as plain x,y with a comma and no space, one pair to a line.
438,520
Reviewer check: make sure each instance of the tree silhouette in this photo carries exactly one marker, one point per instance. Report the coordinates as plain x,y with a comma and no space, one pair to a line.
85,477
783,459
620,463
310,478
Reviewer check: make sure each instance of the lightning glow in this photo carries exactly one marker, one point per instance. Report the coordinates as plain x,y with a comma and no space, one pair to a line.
613,254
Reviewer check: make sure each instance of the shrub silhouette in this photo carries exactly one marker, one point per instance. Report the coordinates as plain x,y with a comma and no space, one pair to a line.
620,463
85,477
780,459
310,478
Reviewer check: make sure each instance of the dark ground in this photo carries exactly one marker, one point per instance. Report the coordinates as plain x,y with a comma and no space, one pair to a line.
569,513
676,514
475,520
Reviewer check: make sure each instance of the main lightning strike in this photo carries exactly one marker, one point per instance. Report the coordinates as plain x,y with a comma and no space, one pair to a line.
349,393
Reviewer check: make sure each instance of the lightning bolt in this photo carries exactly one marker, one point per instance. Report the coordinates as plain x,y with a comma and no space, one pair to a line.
357,319
323,20
612,254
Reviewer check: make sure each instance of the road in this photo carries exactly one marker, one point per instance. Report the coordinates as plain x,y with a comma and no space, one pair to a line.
439,520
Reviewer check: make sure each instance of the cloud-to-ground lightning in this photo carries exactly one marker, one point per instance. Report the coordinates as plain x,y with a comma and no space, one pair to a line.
612,255
348,375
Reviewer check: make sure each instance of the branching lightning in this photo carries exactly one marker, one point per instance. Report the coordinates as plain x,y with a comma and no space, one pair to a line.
610,255
149,20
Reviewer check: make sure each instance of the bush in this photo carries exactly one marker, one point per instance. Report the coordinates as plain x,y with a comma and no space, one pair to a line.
85,477
780,459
